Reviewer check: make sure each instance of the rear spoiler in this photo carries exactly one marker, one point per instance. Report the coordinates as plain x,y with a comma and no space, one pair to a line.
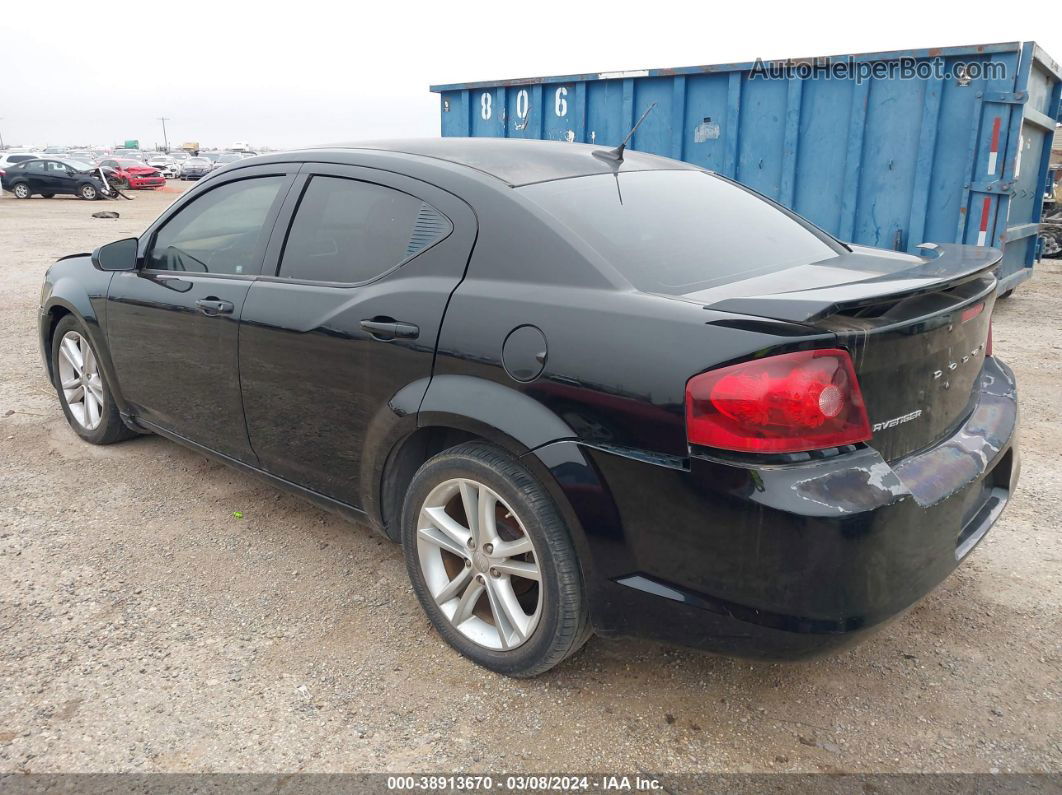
946,266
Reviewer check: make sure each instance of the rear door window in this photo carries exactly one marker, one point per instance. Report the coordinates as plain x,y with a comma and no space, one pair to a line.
346,231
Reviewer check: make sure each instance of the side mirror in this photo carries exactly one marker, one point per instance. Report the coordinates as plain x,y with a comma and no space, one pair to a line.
117,256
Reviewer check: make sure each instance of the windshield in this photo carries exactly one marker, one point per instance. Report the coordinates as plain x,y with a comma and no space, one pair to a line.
675,232
198,161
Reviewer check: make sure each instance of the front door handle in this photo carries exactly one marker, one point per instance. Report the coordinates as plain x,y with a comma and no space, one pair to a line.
387,328
212,307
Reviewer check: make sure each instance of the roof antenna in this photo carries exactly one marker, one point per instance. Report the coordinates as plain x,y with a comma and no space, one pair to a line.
616,155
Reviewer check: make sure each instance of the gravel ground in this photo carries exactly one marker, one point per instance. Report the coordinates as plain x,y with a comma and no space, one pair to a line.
147,629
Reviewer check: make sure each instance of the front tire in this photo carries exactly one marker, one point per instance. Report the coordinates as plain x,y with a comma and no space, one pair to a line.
88,192
82,387
492,563
21,191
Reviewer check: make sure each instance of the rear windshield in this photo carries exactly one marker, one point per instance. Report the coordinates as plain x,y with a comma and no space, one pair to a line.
676,232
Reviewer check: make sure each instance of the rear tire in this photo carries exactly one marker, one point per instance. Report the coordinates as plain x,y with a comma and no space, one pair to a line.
21,191
1007,294
83,389
478,578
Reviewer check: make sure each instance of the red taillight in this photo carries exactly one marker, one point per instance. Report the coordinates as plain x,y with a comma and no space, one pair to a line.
808,400
971,312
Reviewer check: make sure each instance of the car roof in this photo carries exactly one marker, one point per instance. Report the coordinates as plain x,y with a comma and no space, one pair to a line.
519,161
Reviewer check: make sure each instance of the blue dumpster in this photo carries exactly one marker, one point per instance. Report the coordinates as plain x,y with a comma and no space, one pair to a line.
887,149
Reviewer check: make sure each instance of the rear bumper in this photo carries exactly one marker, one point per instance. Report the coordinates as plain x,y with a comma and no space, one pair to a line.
786,561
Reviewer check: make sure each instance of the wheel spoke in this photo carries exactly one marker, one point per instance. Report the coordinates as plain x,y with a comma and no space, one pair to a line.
77,395
71,353
440,539
470,502
468,602
95,386
508,549
488,520
518,568
92,409
454,587
509,617
72,382
458,533
88,358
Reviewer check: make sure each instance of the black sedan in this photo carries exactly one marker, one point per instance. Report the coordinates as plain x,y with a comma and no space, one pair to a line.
585,391
49,177
196,168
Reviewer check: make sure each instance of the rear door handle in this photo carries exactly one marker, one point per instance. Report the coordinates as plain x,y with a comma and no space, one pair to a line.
212,307
386,328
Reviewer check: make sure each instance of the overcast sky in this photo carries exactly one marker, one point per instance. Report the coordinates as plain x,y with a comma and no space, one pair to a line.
301,73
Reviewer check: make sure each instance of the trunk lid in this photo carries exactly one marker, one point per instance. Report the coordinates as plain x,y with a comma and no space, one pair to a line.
916,328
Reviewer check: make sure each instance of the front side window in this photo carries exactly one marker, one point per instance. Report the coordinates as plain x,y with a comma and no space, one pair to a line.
347,232
221,231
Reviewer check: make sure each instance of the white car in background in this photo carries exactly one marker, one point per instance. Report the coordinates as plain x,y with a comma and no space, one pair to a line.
167,166
11,158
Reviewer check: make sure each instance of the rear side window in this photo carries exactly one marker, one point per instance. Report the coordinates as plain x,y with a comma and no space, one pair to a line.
348,232
222,231
675,232
35,165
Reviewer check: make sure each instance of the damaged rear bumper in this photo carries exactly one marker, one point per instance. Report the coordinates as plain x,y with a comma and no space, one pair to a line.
792,560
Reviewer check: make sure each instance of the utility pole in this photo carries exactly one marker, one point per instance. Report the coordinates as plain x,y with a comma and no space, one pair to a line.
165,140
1,135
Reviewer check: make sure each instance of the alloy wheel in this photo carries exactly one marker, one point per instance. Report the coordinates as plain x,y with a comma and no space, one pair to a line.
479,564
79,376
21,191
88,192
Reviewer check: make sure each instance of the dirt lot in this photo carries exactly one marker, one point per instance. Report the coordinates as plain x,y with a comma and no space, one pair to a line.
145,628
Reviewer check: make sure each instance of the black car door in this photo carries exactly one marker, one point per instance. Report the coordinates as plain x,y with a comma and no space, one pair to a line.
58,178
172,323
352,315
36,176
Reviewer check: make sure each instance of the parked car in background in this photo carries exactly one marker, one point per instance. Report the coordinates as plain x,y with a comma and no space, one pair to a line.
55,150
180,156
130,154
165,164
10,158
584,389
226,158
196,168
133,174
50,177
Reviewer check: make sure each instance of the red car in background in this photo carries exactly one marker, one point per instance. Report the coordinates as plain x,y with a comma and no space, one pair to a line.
131,173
